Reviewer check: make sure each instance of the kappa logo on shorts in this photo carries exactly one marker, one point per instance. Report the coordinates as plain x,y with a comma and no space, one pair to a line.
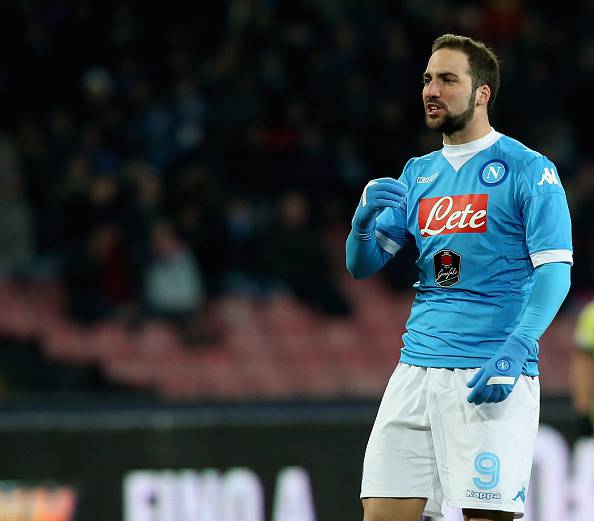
487,496
521,495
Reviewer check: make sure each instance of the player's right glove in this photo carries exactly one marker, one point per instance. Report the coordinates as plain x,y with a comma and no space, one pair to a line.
378,194
496,379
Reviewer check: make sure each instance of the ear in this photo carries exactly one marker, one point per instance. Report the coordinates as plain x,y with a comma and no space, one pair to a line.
483,95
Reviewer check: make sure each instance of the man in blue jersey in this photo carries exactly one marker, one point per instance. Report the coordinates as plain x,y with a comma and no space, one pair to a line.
459,416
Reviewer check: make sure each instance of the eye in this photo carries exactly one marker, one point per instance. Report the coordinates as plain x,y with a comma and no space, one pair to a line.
426,80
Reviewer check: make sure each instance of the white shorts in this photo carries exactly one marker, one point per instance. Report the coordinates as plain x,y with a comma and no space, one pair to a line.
428,441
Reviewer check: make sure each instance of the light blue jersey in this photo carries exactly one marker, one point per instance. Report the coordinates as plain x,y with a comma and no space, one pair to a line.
483,215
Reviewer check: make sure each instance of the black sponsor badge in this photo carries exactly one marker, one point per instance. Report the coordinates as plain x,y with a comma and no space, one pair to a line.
446,266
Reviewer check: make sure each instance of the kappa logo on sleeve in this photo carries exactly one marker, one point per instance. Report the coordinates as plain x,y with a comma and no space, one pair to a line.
549,176
453,214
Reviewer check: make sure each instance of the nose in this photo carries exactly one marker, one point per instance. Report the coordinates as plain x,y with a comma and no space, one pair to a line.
432,89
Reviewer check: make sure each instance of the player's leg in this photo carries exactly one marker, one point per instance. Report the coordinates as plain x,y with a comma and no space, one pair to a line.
400,478
484,452
487,515
393,509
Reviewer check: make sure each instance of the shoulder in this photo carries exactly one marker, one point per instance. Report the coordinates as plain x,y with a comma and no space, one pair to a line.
516,152
529,165
415,167
415,163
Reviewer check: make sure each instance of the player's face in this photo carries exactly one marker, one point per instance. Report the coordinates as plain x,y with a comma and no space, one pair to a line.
448,96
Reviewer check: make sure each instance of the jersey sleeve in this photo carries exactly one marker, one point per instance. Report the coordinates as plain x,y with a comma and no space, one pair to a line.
390,227
584,329
545,213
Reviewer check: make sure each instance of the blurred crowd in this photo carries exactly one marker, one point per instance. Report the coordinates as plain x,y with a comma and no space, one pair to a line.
154,156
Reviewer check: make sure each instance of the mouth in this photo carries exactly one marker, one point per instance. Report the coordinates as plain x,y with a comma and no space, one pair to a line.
432,109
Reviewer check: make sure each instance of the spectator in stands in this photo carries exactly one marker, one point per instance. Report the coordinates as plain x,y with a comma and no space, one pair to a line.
97,276
145,207
295,257
16,230
245,268
173,286
197,202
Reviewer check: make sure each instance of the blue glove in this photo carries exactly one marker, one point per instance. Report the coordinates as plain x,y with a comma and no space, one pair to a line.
378,194
496,379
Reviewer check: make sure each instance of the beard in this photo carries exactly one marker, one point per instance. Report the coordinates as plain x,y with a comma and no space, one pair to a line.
454,123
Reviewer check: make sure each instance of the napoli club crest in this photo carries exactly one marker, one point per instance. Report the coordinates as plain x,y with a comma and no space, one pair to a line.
446,266
493,172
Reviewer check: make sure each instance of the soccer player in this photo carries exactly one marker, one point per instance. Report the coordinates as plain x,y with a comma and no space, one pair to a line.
458,419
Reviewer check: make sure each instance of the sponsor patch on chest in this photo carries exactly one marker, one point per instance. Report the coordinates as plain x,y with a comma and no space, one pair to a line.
453,214
446,266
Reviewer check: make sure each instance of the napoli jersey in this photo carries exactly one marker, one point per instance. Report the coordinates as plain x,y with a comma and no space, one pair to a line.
483,215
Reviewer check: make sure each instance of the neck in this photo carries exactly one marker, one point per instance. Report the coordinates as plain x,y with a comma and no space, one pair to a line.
476,129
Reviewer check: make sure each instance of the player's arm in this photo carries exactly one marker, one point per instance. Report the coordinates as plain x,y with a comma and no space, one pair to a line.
495,380
551,286
547,223
367,248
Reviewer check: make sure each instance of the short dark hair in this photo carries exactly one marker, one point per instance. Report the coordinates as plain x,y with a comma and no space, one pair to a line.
483,62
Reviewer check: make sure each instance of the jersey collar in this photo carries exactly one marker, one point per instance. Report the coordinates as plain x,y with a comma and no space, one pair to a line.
457,155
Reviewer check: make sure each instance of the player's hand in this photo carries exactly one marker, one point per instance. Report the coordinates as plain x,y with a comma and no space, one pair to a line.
378,194
496,379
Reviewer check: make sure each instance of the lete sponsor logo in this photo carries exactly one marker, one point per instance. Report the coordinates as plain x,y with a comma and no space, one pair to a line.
453,214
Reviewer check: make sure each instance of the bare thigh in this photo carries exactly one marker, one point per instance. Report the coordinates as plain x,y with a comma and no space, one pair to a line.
486,515
393,509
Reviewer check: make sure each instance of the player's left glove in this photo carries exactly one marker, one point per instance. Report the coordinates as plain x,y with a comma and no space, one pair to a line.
496,379
378,194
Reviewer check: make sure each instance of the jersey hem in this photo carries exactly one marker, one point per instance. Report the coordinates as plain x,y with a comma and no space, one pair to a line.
446,363
427,512
486,506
